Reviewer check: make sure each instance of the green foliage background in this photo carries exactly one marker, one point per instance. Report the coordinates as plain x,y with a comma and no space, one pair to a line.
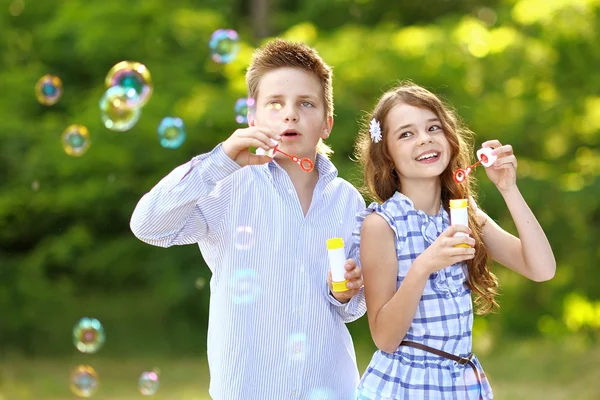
522,71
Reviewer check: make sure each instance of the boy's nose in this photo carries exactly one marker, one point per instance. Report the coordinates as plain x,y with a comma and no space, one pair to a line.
290,115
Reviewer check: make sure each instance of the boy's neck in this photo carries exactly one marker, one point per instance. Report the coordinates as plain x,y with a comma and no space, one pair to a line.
299,177
425,195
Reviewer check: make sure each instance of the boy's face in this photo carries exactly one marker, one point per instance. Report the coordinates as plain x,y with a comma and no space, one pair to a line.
291,102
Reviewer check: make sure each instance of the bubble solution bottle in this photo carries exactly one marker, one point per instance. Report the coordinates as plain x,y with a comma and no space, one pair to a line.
337,260
459,216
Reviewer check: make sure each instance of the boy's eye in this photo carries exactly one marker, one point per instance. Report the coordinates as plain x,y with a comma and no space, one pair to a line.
306,104
274,105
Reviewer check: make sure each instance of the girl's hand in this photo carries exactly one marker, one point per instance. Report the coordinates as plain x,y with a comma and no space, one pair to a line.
442,253
503,173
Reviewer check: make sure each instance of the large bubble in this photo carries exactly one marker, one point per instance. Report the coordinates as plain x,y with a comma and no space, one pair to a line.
135,79
224,45
115,112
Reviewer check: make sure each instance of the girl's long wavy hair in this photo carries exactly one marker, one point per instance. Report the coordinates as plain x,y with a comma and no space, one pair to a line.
381,179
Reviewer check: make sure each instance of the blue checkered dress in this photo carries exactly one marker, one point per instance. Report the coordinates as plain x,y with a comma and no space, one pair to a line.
443,320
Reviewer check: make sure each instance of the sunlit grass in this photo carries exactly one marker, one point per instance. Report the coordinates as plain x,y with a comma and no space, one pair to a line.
533,370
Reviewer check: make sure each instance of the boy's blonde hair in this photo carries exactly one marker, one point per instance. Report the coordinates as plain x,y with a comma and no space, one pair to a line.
279,53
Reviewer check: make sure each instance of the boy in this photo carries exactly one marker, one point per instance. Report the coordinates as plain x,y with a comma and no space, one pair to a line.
275,329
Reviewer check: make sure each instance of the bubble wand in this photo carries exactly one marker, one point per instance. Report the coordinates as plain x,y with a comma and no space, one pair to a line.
485,157
305,163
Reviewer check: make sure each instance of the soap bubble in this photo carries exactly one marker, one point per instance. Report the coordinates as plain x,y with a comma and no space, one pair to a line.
242,106
148,383
245,286
48,90
116,114
135,80
88,335
76,140
171,132
224,45
84,381
243,237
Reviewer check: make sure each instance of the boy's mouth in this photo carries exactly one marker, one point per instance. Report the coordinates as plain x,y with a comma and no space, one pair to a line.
290,134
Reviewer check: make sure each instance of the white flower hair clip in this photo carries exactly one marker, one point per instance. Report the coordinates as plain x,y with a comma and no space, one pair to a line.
375,130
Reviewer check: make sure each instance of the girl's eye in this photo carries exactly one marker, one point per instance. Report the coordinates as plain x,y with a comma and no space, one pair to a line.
405,135
435,128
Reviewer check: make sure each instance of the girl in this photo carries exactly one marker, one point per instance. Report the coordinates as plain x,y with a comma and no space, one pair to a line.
418,272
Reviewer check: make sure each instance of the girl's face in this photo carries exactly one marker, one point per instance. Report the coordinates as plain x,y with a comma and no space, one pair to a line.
416,142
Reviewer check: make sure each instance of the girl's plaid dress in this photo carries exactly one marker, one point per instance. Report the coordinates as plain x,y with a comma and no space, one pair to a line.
443,320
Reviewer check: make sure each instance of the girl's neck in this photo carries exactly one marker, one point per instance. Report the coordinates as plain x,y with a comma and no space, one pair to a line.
425,195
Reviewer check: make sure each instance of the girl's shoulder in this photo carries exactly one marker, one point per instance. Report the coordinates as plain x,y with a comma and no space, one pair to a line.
393,211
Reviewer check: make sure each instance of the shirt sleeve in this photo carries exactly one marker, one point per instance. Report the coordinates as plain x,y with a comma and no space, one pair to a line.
188,204
356,307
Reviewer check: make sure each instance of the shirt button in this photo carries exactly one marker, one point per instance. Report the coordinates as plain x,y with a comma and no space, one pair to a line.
302,268
299,310
290,191
457,379
293,393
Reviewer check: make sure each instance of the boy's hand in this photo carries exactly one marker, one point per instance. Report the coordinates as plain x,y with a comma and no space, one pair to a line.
237,146
355,282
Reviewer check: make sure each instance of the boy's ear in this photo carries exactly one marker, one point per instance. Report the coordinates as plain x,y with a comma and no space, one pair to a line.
328,127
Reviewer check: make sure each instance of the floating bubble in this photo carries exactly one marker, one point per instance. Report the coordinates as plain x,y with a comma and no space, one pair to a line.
224,45
321,394
84,381
48,90
135,79
243,237
200,283
76,140
88,335
148,383
35,186
116,114
171,132
244,285
242,106
297,346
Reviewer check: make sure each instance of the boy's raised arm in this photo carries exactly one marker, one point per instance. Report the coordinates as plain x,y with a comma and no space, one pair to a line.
188,204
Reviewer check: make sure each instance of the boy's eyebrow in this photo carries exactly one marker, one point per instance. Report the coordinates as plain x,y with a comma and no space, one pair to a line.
301,96
409,125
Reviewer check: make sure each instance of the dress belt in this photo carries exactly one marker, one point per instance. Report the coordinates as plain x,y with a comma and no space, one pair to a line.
441,353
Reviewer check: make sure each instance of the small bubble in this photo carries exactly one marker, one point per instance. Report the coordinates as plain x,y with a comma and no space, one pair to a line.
48,90
35,186
243,237
84,381
245,286
148,383
242,108
200,283
171,132
88,335
76,140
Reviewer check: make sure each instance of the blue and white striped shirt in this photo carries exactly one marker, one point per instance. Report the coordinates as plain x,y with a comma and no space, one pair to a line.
274,330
